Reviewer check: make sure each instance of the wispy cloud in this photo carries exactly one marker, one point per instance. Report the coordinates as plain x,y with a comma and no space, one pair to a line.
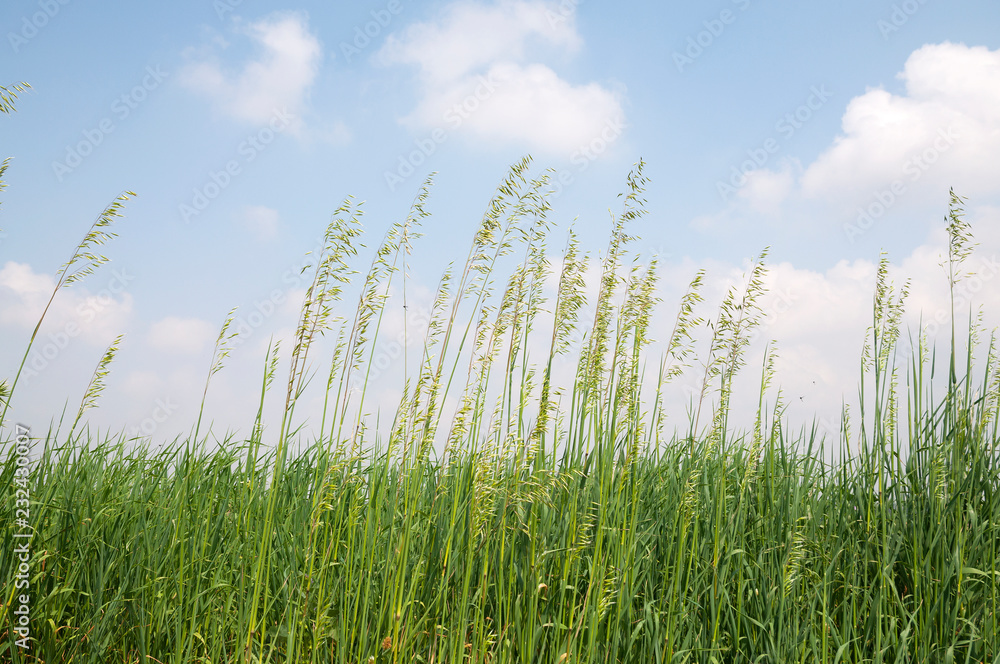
279,77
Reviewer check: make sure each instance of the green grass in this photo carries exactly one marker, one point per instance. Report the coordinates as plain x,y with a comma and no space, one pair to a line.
544,522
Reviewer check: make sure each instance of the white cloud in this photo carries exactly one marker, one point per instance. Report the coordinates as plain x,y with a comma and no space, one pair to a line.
93,311
529,103
181,335
477,75
944,130
820,318
260,221
471,36
279,78
24,293
765,189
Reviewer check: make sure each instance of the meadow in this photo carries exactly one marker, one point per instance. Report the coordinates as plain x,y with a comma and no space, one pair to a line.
543,521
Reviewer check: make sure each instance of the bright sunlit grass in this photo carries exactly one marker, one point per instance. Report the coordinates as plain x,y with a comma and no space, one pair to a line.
544,522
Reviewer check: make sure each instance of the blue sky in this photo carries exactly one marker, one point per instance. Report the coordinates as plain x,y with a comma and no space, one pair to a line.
826,131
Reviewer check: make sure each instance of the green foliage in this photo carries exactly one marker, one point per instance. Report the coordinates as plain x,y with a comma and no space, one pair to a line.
560,525
81,264
97,383
8,96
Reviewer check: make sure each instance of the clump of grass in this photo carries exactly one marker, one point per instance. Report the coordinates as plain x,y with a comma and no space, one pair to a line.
83,262
558,523
8,96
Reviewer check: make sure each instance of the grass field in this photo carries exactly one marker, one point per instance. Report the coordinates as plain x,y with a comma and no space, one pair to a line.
544,522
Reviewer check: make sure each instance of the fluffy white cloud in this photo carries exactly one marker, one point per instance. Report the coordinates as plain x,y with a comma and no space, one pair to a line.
944,130
527,103
823,325
279,78
93,310
470,36
477,75
181,335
